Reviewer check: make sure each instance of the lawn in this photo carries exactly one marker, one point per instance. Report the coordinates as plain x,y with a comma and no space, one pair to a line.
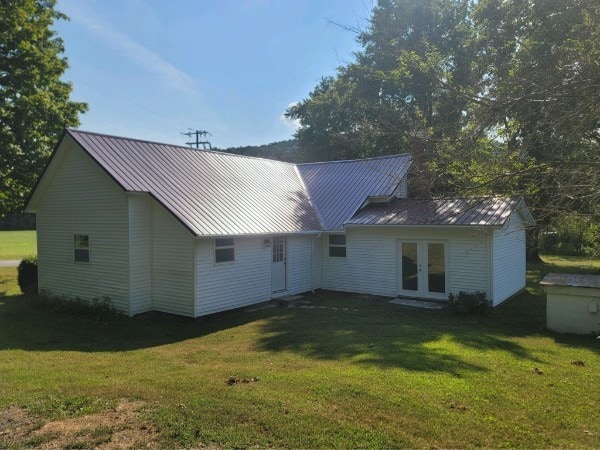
342,371
17,244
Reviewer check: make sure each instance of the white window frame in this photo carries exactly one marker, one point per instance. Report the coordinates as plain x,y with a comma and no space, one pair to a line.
77,247
224,247
336,246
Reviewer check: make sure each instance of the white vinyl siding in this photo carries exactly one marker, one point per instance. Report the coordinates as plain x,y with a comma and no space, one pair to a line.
299,264
245,281
371,262
508,259
140,252
172,264
317,269
83,200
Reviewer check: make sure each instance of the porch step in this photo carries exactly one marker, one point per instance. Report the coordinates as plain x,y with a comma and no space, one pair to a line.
420,303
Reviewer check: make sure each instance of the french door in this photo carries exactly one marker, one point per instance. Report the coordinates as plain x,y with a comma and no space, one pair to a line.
422,269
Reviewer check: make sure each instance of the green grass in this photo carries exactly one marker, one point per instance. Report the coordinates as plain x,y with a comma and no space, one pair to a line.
17,244
371,375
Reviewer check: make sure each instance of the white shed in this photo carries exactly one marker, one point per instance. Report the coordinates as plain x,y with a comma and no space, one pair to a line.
572,303
193,232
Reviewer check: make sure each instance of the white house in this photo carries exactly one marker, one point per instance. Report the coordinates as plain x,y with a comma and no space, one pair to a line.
193,232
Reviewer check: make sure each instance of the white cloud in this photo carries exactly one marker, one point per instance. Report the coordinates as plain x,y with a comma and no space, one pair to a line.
292,123
145,58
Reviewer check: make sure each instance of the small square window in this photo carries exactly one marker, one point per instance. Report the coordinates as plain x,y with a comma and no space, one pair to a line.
224,250
81,248
337,245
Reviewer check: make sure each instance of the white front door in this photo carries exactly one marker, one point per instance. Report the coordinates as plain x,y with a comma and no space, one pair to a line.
422,269
278,267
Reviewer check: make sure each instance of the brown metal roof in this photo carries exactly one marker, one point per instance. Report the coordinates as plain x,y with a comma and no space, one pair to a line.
215,194
461,212
338,188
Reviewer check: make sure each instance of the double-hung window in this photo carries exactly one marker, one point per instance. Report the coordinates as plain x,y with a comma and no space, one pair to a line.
337,245
224,250
81,248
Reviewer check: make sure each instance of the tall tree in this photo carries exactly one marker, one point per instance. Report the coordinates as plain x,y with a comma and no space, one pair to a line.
34,101
406,90
492,97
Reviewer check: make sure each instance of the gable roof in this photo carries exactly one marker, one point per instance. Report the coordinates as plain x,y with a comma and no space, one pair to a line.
338,188
488,211
220,194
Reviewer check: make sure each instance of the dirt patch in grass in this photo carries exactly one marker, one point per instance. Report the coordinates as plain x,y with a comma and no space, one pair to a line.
120,427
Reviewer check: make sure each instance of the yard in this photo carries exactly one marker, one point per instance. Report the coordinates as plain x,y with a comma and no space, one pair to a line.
17,244
340,371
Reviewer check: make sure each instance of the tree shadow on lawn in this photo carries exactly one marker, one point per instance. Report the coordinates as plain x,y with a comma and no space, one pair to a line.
361,329
374,332
26,326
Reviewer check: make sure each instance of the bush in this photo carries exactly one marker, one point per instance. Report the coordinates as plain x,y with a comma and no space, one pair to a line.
469,302
98,308
27,275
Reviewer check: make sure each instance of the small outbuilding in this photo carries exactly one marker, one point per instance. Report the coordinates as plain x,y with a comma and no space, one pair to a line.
573,303
158,227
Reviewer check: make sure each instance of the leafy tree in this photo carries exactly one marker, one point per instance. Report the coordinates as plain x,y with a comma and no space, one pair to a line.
492,97
404,92
34,102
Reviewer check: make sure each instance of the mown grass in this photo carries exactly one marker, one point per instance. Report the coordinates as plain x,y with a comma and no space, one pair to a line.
354,371
17,244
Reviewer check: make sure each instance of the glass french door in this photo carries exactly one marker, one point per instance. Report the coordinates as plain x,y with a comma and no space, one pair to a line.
422,268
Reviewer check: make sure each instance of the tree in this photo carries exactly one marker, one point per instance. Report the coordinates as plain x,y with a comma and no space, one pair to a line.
34,102
492,97
404,92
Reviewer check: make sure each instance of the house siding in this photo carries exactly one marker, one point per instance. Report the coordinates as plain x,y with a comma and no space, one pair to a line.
299,259
140,252
230,285
172,264
508,259
371,267
247,280
82,199
317,258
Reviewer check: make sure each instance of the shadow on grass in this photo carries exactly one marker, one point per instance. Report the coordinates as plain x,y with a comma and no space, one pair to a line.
372,331
24,325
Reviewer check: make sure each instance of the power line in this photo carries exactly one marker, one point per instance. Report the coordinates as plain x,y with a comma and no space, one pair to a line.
197,143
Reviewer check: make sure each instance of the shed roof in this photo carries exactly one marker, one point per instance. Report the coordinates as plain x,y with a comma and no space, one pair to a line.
217,194
489,211
571,279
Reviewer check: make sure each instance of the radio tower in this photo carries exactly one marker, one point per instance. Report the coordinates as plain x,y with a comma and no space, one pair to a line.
197,143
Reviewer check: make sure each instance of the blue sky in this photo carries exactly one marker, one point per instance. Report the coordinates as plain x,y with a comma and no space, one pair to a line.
152,69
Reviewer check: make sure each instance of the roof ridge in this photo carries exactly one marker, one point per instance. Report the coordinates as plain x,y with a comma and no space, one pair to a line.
355,160
219,152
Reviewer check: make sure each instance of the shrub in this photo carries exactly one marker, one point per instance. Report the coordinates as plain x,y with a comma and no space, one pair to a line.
27,275
98,308
469,302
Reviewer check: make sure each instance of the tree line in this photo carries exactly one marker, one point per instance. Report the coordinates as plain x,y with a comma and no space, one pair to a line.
491,97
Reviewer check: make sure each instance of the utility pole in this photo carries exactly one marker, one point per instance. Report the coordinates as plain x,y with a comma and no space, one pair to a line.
197,143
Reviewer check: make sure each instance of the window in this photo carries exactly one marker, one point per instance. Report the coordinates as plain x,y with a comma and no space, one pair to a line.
81,247
337,245
224,250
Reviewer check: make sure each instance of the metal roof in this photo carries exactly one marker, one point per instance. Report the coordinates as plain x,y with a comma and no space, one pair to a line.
571,279
217,194
338,188
211,193
461,212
